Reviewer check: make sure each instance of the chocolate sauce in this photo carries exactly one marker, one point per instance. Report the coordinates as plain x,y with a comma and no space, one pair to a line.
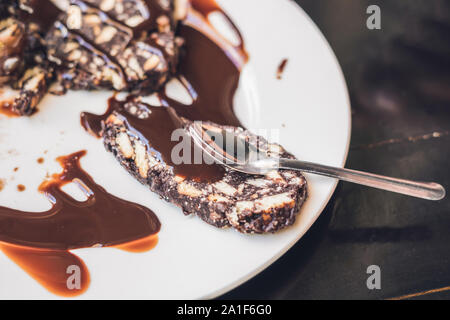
39,241
140,245
281,68
156,132
206,7
210,71
154,9
210,77
102,219
49,267
6,109
150,10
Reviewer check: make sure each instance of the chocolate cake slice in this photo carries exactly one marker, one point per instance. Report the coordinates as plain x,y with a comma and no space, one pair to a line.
124,45
248,203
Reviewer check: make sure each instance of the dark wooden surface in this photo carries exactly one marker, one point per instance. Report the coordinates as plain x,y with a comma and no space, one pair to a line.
399,83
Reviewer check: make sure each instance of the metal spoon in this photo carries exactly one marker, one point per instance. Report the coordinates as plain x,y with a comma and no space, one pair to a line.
247,158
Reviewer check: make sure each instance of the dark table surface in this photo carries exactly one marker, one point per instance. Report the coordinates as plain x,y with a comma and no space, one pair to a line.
399,83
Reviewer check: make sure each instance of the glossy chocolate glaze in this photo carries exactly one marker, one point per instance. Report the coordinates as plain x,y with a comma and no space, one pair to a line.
49,267
45,14
39,242
101,220
11,46
210,68
5,109
210,71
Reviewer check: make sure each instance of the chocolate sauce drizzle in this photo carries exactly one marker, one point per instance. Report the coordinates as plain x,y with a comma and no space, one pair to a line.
49,267
281,68
46,14
5,109
210,77
210,71
39,241
204,8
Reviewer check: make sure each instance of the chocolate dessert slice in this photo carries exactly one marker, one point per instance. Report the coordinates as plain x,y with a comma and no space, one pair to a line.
125,45
139,137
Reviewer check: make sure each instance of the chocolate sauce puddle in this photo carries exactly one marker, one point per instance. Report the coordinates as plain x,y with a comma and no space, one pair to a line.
281,68
205,8
39,242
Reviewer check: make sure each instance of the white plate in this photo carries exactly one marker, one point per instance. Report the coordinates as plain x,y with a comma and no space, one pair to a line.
309,106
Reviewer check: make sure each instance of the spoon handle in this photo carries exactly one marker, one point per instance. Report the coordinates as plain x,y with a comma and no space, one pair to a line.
424,190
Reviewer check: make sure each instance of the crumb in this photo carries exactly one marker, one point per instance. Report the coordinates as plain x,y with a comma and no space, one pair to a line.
2,184
20,187
40,160
16,169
